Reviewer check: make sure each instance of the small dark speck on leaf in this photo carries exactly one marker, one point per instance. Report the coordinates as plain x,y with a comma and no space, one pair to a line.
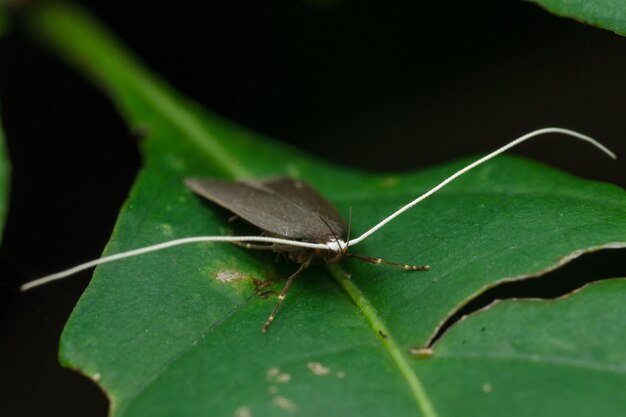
260,285
266,294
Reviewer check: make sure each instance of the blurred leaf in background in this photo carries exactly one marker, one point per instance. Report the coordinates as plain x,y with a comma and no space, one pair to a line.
606,14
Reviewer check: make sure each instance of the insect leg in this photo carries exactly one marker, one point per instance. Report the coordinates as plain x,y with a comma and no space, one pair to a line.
283,294
378,261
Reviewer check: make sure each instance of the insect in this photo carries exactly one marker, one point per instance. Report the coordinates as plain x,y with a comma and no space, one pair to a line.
295,220
288,209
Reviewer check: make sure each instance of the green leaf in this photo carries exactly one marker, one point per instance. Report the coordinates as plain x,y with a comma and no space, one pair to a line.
563,357
178,332
606,14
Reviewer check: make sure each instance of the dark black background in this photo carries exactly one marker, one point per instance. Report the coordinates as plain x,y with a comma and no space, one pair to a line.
378,85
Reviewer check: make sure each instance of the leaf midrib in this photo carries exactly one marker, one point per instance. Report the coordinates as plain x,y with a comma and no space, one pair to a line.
391,347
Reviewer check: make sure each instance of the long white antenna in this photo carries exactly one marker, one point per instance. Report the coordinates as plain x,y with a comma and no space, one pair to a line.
333,245
165,245
474,165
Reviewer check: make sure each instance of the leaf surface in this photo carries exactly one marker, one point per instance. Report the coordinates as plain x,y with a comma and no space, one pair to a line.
178,332
606,14
560,357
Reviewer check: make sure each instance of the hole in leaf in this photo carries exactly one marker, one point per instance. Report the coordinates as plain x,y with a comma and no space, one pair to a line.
591,267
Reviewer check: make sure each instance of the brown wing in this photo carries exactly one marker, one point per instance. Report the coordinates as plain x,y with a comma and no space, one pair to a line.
281,206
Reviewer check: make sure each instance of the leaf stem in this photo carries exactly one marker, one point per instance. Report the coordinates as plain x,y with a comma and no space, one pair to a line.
380,329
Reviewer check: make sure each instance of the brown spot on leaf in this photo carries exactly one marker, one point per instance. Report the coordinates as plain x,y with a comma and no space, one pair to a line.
260,285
